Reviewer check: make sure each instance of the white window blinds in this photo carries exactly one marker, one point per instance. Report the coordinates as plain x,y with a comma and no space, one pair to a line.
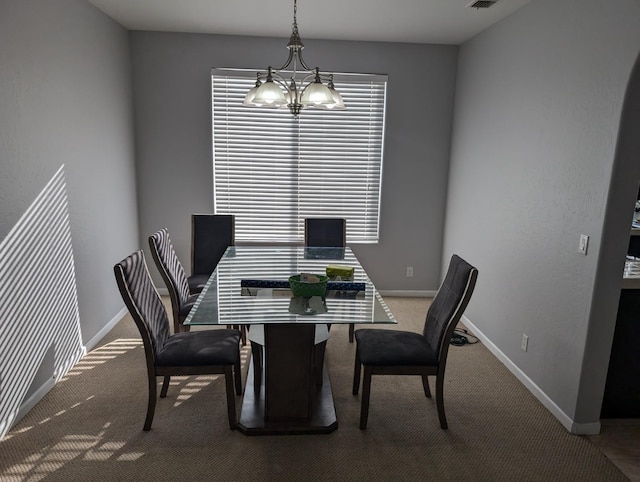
272,170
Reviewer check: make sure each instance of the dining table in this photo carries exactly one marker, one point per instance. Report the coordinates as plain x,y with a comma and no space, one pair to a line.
250,286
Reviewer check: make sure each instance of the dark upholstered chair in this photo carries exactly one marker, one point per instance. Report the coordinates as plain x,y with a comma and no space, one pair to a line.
211,234
174,277
325,232
395,352
192,353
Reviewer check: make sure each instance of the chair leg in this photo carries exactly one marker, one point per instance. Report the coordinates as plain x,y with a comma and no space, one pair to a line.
231,399
356,374
366,392
256,355
425,385
151,405
440,400
238,377
352,329
165,386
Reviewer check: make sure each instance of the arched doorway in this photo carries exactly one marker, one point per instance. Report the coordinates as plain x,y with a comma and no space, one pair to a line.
623,191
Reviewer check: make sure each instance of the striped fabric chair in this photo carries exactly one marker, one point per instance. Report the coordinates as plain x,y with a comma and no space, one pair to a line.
193,353
174,277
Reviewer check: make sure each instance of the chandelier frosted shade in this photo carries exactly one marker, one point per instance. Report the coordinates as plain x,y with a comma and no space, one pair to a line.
338,103
317,94
337,99
269,94
294,89
248,99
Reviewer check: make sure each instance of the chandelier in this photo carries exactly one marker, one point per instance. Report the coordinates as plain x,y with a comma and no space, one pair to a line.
304,88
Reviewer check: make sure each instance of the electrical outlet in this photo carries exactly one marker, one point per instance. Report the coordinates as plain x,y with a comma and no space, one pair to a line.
409,271
525,342
584,243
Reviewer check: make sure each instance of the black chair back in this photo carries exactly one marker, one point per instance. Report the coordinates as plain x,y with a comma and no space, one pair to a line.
211,234
449,305
329,232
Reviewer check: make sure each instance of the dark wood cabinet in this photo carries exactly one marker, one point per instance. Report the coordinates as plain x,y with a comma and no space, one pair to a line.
622,391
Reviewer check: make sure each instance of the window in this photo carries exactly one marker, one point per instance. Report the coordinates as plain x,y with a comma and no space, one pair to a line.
272,170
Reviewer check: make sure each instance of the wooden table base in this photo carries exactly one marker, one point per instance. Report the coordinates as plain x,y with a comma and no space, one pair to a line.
323,413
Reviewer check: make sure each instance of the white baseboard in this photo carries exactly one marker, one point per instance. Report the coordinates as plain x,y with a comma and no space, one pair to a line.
90,345
50,383
585,428
408,293
31,402
39,394
563,418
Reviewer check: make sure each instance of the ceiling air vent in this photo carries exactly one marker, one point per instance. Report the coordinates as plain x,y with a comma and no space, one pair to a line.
482,3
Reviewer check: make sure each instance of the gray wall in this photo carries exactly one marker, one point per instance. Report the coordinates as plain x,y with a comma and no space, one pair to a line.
66,98
538,104
172,92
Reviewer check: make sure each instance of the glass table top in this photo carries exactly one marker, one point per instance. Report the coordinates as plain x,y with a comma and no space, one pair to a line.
250,286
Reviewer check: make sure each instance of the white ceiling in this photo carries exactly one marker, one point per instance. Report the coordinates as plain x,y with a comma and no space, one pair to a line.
416,21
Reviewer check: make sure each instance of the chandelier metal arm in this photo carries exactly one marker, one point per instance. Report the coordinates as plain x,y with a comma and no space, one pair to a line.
297,52
292,54
307,78
289,60
312,75
279,79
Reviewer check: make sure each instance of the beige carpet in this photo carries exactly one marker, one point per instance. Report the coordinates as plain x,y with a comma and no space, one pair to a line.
89,427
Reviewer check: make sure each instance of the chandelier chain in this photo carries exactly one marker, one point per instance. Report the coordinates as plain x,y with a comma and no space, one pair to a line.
295,13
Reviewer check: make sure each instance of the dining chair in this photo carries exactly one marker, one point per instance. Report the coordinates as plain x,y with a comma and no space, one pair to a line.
189,353
174,277
327,232
211,234
396,352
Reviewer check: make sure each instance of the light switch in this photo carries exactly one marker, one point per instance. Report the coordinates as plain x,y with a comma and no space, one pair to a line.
584,243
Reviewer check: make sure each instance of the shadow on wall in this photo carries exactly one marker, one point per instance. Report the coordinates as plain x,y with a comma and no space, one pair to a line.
39,318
